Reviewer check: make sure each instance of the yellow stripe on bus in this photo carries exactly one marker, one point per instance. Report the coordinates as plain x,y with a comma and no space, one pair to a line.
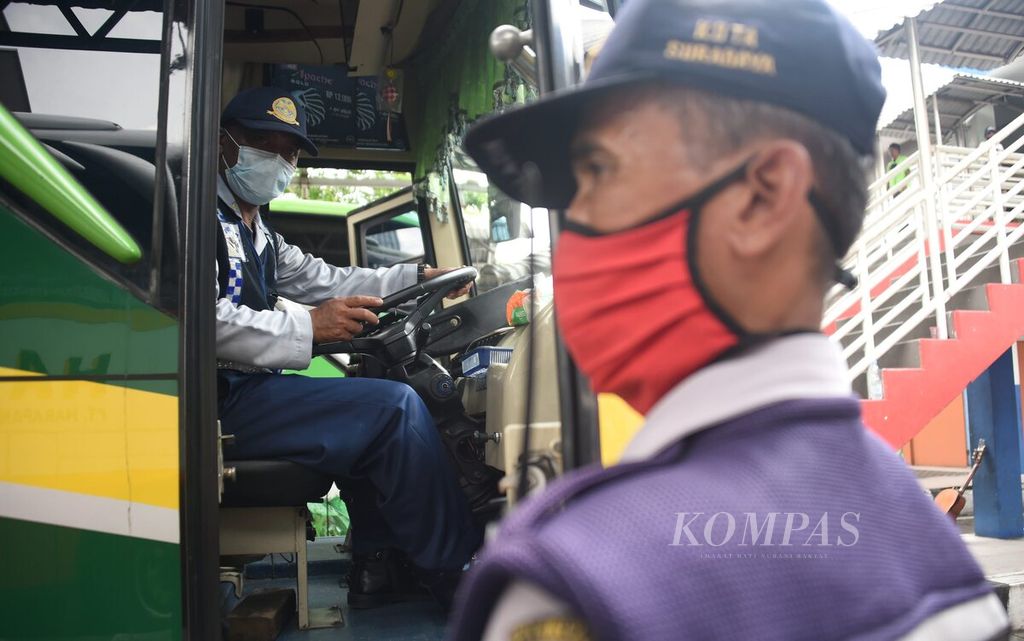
90,438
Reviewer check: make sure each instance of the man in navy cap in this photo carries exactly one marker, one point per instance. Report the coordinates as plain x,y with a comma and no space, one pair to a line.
375,437
713,168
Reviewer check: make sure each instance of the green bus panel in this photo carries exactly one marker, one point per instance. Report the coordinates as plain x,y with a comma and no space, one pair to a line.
59,316
64,584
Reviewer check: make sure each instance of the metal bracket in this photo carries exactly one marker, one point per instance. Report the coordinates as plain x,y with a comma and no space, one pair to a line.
234,577
223,472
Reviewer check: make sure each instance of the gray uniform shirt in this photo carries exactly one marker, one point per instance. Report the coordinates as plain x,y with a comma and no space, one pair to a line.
283,338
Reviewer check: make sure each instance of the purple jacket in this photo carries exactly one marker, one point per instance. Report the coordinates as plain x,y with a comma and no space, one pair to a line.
790,522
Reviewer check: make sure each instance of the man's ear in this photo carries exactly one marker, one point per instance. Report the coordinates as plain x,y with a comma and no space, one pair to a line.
778,179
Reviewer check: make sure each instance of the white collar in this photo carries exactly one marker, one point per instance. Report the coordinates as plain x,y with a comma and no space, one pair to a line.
224,193
801,366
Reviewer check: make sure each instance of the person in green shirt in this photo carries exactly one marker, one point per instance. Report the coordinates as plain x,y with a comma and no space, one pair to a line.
896,158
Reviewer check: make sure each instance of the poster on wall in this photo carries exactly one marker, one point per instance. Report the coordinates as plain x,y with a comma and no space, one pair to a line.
341,111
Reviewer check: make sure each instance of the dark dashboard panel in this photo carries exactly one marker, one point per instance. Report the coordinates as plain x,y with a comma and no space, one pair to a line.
453,329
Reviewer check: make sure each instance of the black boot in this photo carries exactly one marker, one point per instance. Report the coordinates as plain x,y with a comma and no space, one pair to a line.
383,577
441,584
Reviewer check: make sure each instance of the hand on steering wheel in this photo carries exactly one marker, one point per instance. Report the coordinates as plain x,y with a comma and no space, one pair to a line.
341,319
399,337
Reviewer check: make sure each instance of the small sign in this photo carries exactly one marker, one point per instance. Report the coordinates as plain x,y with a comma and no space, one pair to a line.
341,111
234,241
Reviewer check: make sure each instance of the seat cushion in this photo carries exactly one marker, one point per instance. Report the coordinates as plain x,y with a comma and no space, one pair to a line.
273,483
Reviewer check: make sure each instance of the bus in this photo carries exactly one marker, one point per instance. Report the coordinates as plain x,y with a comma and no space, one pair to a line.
122,515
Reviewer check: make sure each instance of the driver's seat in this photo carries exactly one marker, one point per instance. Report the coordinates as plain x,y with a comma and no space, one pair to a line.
263,511
273,483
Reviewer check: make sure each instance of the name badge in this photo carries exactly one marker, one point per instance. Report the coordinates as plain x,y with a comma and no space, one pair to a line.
234,241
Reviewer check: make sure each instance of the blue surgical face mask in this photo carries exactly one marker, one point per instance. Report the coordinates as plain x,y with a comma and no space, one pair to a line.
259,176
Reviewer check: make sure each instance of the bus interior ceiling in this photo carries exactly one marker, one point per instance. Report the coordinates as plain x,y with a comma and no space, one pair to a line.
434,54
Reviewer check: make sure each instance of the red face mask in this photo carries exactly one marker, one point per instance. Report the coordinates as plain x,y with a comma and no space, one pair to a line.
631,308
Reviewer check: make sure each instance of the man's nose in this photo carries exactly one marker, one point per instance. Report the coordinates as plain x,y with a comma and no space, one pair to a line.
578,213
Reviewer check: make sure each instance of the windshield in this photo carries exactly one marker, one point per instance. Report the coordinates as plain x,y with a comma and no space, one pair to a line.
501,232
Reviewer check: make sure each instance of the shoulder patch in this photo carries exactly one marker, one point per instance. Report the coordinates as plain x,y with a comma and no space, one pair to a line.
552,629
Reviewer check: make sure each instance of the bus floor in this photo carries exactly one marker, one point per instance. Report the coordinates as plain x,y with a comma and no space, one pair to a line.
411,621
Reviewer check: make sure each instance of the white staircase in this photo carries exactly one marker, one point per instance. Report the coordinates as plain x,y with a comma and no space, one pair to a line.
978,200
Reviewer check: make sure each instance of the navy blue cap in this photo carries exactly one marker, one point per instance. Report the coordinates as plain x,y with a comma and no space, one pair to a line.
797,54
270,109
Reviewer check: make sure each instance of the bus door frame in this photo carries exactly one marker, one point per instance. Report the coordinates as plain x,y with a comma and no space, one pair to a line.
197,392
559,43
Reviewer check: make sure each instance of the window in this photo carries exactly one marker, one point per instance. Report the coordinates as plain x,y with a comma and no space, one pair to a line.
395,240
501,232
322,236
389,231
96,112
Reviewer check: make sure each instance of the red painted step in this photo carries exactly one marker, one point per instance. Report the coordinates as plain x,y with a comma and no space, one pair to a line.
913,397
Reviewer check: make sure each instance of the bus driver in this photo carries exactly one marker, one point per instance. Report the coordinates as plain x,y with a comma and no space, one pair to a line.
375,437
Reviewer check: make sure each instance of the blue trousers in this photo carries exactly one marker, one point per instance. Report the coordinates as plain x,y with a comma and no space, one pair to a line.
378,441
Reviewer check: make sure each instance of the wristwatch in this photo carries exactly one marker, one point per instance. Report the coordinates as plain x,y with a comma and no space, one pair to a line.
421,272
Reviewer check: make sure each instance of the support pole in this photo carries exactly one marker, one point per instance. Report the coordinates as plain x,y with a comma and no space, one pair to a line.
938,147
927,178
941,203
999,215
558,40
993,413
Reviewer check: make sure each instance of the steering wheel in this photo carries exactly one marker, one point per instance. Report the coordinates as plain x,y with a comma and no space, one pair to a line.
397,337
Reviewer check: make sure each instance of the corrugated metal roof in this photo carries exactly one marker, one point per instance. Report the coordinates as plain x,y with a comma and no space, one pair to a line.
958,99
902,15
977,34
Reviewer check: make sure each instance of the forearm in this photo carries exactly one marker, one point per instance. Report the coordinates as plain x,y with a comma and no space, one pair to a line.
275,339
307,279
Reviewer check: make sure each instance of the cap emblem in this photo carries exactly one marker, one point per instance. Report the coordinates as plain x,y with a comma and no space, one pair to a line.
284,110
